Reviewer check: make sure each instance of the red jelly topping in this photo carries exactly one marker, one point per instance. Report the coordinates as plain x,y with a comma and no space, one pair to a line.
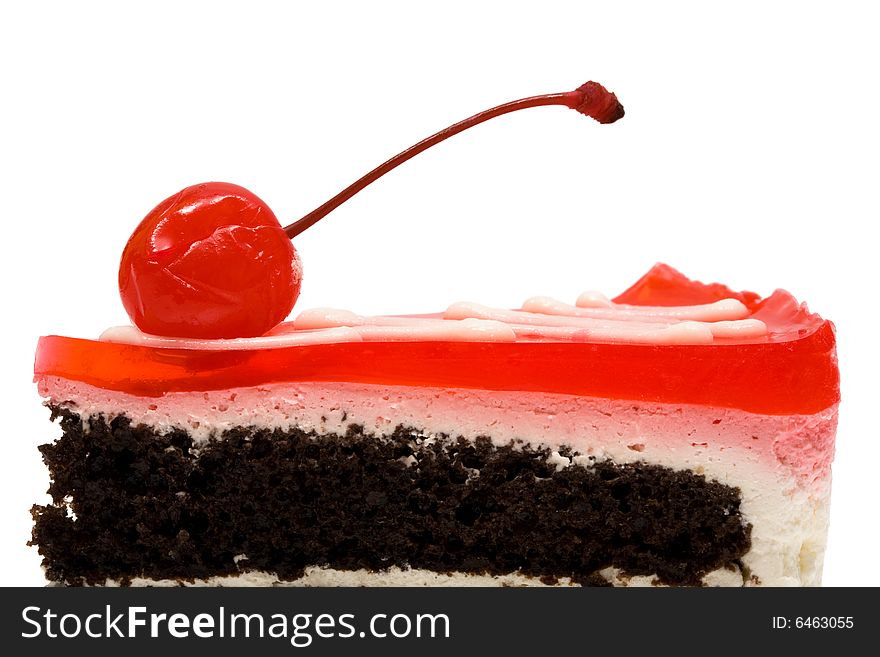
791,370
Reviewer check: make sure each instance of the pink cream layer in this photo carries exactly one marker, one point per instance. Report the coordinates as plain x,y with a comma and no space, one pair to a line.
798,448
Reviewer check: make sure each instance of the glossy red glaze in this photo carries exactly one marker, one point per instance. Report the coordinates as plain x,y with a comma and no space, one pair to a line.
212,261
793,370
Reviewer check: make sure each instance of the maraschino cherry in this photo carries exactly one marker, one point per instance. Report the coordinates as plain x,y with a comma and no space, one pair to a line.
212,261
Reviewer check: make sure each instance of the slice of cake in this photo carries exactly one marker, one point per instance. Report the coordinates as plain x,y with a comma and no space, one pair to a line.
681,434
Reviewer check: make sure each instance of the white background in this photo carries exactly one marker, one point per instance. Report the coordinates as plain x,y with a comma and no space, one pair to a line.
748,155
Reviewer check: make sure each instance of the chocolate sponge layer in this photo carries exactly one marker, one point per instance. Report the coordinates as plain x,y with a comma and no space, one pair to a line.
128,502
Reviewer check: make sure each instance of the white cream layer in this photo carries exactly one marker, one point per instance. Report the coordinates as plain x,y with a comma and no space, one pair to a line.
316,576
780,463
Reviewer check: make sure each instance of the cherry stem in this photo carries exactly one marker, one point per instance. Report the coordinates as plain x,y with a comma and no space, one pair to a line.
591,99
